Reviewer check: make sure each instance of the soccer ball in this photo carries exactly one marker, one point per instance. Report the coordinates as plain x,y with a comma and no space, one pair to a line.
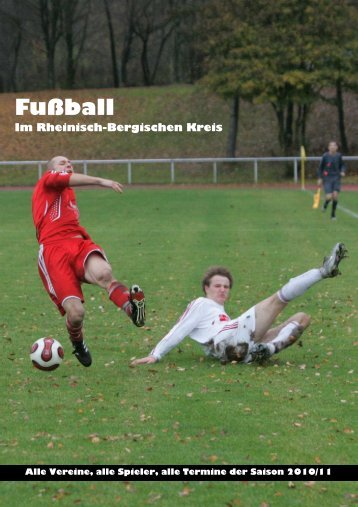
46,354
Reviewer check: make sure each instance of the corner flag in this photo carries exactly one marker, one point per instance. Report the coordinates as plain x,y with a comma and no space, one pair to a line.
316,198
303,160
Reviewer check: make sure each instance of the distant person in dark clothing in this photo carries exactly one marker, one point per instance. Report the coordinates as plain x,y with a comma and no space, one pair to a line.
330,171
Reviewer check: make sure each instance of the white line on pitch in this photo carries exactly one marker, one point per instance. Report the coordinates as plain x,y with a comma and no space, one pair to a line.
348,211
345,210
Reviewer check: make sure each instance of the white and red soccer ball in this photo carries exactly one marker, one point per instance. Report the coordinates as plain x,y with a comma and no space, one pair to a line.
46,353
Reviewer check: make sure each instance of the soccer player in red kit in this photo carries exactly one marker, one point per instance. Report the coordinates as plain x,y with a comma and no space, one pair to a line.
68,257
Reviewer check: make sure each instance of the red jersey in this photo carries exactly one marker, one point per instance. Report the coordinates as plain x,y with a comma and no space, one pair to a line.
54,209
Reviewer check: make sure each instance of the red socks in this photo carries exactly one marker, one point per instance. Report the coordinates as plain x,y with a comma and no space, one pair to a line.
119,295
75,332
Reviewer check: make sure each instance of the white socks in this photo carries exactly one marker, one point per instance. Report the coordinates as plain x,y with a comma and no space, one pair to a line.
298,285
284,337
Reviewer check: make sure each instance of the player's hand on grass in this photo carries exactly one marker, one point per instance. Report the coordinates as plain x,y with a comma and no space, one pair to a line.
144,360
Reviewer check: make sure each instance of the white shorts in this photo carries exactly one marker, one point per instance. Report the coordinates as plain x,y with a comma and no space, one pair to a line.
247,326
235,332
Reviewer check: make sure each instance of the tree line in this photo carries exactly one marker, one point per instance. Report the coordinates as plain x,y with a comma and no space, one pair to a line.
48,44
288,53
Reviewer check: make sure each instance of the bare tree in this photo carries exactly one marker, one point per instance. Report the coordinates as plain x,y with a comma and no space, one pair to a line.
153,17
112,41
185,55
128,36
75,14
121,22
50,13
12,27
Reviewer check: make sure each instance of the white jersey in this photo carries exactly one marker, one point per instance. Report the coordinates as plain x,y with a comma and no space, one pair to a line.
207,322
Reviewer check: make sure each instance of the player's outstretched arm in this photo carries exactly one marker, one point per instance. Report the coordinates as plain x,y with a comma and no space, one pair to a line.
77,180
187,322
144,360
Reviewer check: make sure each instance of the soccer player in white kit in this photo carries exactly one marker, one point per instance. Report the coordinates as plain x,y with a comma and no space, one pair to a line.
249,337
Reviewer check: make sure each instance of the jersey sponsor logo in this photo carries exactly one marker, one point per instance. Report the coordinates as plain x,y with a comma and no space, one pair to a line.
222,318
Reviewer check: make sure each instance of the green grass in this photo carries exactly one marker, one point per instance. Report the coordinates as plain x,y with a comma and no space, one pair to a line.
187,409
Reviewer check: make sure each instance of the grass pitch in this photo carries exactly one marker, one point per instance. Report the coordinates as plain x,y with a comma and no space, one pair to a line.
187,409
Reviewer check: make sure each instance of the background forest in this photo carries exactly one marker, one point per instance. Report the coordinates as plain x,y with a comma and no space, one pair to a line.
289,54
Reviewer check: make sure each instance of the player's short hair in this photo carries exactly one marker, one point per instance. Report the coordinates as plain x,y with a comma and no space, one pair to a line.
51,162
216,270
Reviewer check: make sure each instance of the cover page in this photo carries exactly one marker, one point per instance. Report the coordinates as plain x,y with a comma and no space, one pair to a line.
178,197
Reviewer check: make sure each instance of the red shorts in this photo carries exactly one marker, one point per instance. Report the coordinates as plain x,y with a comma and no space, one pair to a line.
62,268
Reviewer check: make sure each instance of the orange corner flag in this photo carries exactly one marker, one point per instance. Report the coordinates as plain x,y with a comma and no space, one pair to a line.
316,198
